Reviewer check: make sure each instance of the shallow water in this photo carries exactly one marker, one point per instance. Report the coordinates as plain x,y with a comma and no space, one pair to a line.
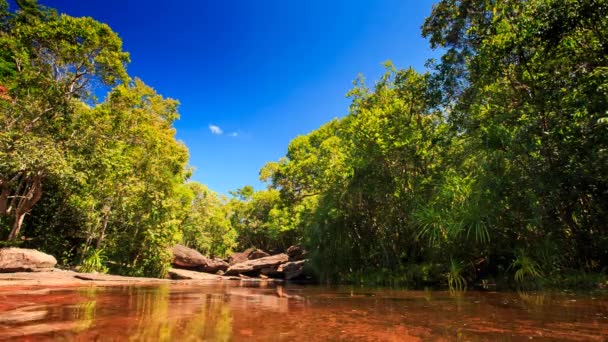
225,312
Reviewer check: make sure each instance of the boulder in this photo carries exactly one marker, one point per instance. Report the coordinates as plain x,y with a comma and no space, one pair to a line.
257,254
236,258
25,260
188,258
271,272
295,253
254,267
214,265
292,269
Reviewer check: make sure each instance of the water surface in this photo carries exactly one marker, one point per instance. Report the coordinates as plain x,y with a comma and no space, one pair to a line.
230,312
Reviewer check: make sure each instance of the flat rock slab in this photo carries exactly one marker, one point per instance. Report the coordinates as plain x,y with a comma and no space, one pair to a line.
56,277
257,254
109,277
25,260
255,266
237,258
179,274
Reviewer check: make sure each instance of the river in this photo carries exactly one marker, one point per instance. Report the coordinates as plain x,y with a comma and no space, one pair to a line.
231,312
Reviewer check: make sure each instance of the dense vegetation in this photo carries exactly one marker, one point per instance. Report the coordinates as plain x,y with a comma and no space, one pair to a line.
492,164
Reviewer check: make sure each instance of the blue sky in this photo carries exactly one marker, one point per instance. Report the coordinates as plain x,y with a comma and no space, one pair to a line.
253,74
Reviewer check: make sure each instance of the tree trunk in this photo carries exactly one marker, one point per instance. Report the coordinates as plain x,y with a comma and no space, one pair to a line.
5,191
102,234
16,226
31,195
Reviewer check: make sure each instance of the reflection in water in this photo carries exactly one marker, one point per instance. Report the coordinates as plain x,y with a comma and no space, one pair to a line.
224,312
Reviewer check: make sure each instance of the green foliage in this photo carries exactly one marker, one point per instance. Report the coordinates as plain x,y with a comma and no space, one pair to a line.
94,262
207,227
260,220
500,147
456,282
525,268
92,176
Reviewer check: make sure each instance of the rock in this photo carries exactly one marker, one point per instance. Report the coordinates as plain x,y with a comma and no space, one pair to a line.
253,267
292,269
25,260
257,254
271,272
295,253
175,273
100,277
214,266
188,258
248,254
236,258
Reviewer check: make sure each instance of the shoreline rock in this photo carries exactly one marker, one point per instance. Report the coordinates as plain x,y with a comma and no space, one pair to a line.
190,259
25,260
255,266
28,267
293,269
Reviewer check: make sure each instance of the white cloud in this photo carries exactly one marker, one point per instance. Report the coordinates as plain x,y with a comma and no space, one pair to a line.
215,130
234,134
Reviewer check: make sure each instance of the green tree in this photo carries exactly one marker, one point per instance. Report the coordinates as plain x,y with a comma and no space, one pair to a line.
48,62
207,227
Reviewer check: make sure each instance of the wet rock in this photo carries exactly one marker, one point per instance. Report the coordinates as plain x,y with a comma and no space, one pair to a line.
292,269
296,253
253,267
25,260
257,254
188,258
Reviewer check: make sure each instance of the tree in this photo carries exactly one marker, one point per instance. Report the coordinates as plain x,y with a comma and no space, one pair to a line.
207,227
48,63
527,85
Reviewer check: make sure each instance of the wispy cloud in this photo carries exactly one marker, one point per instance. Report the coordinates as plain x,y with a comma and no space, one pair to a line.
215,130
234,134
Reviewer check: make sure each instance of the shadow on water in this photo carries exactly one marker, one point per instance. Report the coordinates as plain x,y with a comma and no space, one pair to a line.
224,312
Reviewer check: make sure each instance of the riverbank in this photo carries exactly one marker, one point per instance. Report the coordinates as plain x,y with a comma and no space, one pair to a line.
63,278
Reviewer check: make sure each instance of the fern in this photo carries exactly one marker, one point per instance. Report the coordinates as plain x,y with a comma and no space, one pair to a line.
456,282
525,267
94,262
